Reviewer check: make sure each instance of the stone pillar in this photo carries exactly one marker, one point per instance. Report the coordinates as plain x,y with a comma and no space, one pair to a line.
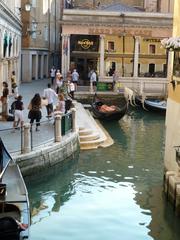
26,139
136,57
57,125
68,53
101,71
65,60
62,56
73,119
42,67
36,67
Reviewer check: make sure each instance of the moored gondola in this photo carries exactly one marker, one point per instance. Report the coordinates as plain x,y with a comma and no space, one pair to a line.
14,202
105,112
155,105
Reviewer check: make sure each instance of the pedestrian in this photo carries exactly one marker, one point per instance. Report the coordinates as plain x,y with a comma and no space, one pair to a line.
61,103
75,78
4,100
52,74
59,83
35,110
14,86
71,89
58,74
93,80
50,95
18,107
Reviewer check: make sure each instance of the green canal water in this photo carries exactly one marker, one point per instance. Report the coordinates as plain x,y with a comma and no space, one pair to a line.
114,193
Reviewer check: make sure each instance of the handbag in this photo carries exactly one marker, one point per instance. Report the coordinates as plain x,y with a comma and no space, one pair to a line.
30,114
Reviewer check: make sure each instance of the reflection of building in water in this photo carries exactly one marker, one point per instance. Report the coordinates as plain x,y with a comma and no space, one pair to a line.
106,40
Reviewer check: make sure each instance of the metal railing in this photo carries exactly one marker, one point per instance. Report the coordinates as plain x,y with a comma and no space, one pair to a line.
26,139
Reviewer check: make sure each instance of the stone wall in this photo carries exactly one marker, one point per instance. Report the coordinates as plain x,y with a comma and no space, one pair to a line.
50,155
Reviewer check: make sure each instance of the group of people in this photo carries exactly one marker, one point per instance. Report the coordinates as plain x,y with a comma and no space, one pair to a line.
49,99
68,85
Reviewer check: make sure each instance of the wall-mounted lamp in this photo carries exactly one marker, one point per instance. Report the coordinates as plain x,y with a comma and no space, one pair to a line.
174,83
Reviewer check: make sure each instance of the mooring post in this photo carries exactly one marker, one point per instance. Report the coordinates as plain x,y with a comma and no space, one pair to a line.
26,143
57,125
73,119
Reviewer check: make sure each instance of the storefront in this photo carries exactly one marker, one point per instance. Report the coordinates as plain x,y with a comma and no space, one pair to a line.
111,42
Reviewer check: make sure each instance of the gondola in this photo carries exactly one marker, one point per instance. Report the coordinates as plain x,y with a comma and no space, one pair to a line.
116,114
154,104
14,202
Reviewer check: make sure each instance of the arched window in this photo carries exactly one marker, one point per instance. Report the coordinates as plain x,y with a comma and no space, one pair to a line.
5,44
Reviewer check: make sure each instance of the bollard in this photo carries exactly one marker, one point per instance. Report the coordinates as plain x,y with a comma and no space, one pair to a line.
26,137
57,125
73,119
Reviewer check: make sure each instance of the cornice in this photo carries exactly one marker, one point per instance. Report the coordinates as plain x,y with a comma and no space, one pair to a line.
9,16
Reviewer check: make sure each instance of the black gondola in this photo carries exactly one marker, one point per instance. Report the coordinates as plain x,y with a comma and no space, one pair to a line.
14,202
117,113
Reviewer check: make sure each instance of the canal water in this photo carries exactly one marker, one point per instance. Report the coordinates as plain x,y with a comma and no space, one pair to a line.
115,193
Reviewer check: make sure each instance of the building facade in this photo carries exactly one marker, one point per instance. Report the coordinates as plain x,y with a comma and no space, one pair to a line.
10,38
173,103
40,38
115,37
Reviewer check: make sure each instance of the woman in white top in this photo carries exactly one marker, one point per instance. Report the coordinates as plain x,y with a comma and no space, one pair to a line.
61,103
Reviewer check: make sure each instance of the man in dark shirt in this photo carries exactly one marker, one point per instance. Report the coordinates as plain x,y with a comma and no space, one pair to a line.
4,101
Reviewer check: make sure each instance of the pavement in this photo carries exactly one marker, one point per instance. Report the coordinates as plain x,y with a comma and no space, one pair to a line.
12,140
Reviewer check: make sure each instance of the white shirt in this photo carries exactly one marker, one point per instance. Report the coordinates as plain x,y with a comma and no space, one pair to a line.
93,77
71,87
53,72
75,76
49,94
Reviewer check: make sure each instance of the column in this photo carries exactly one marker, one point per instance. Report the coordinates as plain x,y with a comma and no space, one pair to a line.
136,56
62,56
36,71
26,139
42,66
68,53
57,125
65,60
101,56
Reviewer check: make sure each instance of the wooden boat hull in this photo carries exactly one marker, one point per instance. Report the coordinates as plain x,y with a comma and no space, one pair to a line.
14,202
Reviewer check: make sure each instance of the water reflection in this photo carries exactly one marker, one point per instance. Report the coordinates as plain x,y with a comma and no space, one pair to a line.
109,192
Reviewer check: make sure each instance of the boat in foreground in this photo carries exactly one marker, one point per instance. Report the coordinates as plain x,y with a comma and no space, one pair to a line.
105,112
14,202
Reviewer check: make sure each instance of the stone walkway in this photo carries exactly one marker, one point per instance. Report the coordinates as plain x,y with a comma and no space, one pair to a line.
13,140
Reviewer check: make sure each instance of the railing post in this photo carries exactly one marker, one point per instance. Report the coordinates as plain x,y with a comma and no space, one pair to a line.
73,119
26,143
57,125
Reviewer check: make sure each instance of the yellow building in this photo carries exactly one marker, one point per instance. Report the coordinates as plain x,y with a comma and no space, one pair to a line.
115,37
173,106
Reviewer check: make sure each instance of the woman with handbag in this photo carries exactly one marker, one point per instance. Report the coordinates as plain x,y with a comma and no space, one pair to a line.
35,110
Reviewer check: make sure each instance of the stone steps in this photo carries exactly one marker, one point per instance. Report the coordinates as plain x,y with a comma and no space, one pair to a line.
88,137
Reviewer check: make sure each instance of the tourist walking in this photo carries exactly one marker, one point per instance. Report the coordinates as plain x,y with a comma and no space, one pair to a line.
35,110
59,83
18,108
75,78
14,86
50,95
52,74
93,80
4,100
71,89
